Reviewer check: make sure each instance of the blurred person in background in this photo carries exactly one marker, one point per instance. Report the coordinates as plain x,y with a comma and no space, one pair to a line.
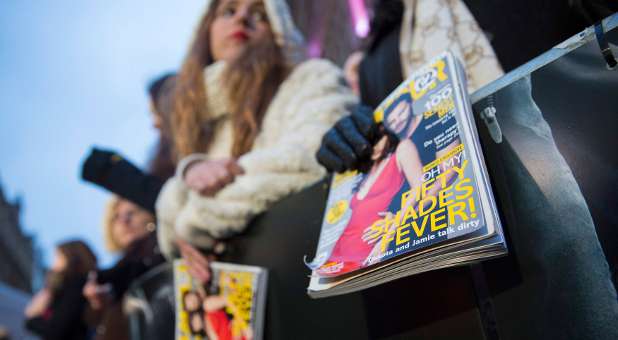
128,230
111,171
248,115
59,310
162,162
129,221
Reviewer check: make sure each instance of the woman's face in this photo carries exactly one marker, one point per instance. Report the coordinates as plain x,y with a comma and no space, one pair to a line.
397,120
60,262
157,121
192,302
130,223
237,23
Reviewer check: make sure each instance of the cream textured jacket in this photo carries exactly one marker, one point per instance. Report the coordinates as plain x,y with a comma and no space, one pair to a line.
282,160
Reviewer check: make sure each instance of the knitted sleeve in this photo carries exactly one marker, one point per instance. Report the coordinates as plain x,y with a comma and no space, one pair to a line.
281,162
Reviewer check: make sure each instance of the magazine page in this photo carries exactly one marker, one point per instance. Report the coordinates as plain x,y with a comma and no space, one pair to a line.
230,307
422,187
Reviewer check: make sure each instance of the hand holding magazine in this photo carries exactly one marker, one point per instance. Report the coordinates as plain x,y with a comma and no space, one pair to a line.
231,307
422,202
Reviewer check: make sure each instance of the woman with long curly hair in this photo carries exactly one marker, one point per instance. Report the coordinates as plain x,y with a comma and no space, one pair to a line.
248,117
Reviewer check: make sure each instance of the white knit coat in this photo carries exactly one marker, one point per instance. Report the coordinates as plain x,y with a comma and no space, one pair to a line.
282,160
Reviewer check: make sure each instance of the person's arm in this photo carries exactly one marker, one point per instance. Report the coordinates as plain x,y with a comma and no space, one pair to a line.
308,103
118,277
67,312
410,163
140,257
109,170
39,303
214,302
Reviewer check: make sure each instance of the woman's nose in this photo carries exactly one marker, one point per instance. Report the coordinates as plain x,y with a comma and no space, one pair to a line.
125,219
243,16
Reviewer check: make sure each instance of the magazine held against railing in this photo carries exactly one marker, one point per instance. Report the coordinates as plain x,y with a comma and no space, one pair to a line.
231,307
422,202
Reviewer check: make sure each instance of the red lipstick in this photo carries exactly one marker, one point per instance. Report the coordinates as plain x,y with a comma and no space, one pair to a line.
240,35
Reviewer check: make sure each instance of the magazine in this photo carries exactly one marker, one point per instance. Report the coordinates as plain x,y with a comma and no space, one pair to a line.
230,307
422,202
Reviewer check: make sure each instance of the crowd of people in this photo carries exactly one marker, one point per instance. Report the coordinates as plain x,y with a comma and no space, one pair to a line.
240,125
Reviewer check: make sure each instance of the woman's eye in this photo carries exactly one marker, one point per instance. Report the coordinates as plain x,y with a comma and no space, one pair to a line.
228,12
259,16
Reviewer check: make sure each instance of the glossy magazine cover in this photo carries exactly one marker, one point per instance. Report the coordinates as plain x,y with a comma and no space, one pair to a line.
421,186
230,307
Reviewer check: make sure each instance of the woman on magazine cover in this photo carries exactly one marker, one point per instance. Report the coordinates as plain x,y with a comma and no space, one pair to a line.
213,315
389,176
369,202
222,317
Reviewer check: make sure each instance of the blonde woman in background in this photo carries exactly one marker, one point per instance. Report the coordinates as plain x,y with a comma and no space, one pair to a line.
128,230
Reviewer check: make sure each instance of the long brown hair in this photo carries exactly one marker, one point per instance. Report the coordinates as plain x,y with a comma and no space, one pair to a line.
80,258
251,81
162,160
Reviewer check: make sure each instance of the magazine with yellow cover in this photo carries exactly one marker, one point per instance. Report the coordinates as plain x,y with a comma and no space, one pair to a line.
422,201
231,306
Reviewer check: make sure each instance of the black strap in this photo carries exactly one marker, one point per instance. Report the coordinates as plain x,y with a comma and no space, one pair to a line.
606,50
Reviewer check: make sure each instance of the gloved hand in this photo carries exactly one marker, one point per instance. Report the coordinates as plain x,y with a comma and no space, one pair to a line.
349,141
98,165
110,171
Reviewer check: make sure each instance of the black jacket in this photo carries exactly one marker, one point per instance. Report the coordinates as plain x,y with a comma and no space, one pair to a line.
64,320
141,256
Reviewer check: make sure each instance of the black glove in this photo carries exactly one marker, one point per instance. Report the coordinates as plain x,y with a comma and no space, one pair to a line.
109,170
98,165
349,141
